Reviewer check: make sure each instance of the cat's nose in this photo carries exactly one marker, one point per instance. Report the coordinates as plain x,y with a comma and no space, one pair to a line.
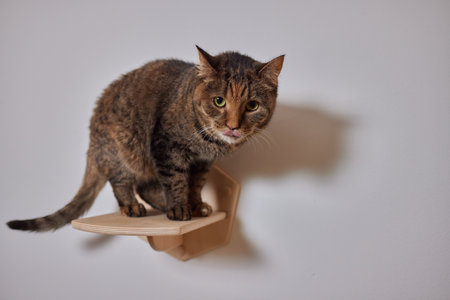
232,126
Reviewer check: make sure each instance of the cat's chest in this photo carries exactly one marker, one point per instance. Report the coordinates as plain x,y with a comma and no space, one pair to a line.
165,146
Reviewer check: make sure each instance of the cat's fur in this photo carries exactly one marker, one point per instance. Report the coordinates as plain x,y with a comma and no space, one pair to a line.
156,131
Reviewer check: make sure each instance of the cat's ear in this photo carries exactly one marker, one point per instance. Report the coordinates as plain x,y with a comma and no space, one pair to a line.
272,69
206,66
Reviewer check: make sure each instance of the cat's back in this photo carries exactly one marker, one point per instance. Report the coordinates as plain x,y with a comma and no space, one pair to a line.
142,89
164,73
157,78
167,68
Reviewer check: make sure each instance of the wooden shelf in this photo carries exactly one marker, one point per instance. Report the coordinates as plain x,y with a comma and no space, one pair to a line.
181,239
157,225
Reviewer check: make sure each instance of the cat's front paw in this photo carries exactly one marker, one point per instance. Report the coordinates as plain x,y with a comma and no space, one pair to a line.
202,210
180,212
133,210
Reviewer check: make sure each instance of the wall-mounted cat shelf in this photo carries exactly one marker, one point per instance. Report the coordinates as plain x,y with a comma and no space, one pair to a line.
181,239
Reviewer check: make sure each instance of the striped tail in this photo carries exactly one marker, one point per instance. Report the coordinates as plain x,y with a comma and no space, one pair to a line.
93,182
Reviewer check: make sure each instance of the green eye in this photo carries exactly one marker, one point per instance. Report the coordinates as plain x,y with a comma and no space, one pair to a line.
252,106
219,101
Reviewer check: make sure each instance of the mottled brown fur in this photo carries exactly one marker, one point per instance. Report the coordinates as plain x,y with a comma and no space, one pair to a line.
156,132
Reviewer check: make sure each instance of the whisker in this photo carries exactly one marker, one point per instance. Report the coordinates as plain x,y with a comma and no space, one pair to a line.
195,135
268,138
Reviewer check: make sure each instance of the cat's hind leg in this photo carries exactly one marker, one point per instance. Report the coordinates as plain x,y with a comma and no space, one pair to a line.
128,204
152,192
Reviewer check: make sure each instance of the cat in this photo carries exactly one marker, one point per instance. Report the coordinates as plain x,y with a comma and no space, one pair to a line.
156,131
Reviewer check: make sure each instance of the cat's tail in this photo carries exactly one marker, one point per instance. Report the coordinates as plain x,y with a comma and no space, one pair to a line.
93,182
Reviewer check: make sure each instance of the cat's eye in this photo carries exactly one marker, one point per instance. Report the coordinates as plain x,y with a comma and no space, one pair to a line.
252,106
219,101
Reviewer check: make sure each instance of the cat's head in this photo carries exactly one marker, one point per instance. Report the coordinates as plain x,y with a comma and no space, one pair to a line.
236,95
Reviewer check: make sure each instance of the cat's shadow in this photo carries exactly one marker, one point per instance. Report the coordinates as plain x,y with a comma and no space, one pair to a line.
297,139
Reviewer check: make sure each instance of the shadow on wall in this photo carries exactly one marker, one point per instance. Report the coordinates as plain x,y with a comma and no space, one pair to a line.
297,139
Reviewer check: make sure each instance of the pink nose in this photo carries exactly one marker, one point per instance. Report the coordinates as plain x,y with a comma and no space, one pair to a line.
232,133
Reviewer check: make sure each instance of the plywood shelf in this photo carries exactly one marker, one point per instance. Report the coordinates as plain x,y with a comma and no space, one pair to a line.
181,239
157,225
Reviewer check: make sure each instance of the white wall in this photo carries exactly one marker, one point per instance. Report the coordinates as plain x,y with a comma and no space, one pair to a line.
352,202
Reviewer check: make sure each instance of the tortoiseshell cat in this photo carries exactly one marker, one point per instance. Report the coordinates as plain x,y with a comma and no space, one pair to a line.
157,130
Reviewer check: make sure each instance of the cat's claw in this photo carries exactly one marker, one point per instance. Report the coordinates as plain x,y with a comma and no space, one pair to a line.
133,210
202,210
180,212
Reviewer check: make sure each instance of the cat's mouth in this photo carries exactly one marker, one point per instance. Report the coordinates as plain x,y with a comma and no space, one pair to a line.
230,136
232,133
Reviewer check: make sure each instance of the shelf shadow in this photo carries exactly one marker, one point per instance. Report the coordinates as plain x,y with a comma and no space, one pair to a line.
97,241
238,247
